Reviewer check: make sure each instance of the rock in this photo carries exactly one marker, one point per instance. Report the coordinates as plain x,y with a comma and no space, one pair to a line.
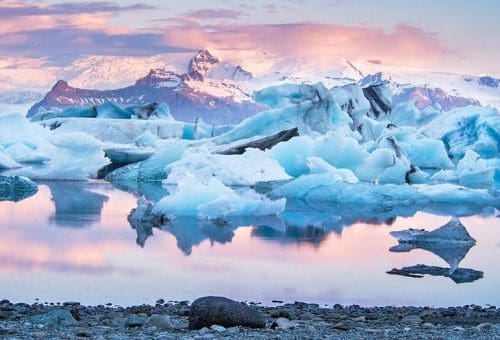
204,331
214,310
279,313
347,325
56,317
83,334
412,319
485,326
262,143
4,302
307,316
361,318
217,328
161,322
283,323
160,302
135,321
71,303
458,329
427,325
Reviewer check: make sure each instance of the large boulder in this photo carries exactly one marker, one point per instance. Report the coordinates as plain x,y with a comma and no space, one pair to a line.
216,310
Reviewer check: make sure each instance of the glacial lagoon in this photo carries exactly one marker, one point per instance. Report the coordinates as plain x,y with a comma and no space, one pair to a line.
73,241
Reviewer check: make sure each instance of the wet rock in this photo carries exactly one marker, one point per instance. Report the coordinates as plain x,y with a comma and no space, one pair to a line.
214,310
161,322
56,317
427,325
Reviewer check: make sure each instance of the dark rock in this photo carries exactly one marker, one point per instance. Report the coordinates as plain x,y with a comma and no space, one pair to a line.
262,143
279,313
215,310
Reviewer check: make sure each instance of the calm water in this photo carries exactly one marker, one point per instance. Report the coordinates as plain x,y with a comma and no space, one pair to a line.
72,241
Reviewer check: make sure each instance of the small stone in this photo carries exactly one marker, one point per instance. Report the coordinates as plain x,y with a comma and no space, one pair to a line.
458,329
412,319
307,316
161,322
485,326
361,318
427,325
217,328
135,321
204,331
83,334
160,301
346,325
279,313
71,303
277,301
427,313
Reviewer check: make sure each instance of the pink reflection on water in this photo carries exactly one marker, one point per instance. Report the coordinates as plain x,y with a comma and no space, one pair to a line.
101,262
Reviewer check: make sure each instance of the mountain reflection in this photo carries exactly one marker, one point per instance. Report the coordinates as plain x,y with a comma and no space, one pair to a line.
75,205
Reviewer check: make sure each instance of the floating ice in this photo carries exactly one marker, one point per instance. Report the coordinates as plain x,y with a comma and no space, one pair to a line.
16,188
212,199
246,169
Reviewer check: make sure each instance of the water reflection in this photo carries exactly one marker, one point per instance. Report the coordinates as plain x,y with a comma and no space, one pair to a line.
451,242
75,205
306,253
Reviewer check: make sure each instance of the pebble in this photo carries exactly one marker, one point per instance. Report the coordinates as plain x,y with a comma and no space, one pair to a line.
217,328
161,322
411,319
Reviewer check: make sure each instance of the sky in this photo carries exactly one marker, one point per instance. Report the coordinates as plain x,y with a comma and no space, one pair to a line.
446,35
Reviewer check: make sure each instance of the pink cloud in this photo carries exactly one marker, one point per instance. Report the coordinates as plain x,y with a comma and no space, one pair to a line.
322,42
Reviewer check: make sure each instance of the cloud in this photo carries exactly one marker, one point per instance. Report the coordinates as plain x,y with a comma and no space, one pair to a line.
323,42
213,14
11,9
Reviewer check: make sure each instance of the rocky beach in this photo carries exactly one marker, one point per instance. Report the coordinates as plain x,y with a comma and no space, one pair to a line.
217,318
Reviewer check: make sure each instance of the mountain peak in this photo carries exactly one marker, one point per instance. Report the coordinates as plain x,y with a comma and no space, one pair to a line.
160,77
200,64
61,84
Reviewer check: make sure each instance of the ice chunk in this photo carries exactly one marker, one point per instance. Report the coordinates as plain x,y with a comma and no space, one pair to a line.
472,127
247,169
351,100
212,199
317,166
452,232
25,153
326,188
16,188
116,130
152,169
6,162
311,109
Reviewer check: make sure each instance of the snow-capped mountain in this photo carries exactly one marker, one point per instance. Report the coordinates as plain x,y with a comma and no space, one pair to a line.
189,95
460,89
220,90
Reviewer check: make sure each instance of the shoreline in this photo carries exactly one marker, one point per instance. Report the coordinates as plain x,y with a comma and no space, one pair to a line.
170,320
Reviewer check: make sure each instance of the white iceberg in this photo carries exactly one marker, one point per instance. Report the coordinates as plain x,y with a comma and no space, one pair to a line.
212,199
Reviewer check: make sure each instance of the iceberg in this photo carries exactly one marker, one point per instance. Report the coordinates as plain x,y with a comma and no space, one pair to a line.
234,170
212,199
